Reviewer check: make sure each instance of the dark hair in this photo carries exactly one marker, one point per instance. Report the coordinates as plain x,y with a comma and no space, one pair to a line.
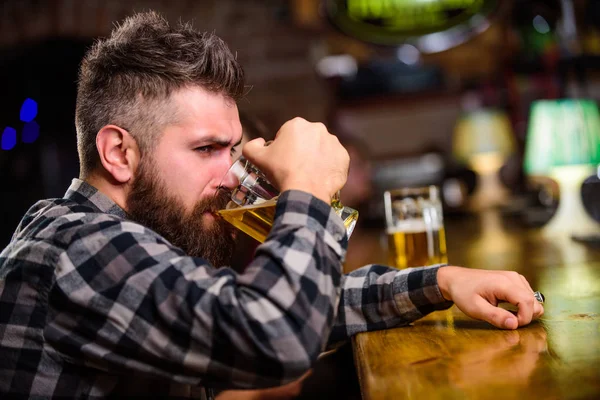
127,79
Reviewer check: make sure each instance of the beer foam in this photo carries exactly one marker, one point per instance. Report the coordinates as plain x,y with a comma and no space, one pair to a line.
412,226
259,203
232,206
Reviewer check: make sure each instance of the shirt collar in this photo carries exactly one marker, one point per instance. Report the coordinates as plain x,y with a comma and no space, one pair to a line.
85,194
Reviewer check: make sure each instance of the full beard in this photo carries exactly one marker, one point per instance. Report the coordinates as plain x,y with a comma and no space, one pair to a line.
150,204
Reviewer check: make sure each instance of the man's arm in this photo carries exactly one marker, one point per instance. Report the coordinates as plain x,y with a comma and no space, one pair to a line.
125,301
377,297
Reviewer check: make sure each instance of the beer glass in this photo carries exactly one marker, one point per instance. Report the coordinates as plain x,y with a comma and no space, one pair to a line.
253,200
415,227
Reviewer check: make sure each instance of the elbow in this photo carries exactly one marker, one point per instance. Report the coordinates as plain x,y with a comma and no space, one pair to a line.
301,353
299,362
293,362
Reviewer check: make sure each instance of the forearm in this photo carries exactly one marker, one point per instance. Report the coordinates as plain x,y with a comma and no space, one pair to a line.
377,297
289,292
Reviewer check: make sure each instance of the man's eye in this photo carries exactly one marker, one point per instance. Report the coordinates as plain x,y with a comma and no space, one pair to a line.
204,149
233,151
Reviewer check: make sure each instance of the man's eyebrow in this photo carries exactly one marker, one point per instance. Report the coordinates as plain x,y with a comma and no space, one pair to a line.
218,141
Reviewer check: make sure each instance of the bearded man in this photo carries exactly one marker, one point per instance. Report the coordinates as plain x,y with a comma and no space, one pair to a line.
121,289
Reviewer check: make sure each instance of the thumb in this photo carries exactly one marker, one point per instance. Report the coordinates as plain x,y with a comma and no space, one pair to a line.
496,316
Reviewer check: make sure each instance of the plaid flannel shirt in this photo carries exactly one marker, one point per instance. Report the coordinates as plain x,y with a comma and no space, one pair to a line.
93,305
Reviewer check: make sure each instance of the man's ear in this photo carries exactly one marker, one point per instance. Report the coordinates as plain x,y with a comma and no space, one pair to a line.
118,152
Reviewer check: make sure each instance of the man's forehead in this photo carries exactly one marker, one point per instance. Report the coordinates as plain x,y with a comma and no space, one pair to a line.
197,100
223,132
208,114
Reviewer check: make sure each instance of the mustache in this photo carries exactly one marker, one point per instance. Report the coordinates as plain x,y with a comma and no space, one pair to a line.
213,204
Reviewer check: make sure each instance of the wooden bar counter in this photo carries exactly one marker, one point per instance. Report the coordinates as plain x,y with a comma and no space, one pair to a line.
450,356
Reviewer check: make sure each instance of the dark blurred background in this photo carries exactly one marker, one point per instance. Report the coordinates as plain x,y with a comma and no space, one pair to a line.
396,101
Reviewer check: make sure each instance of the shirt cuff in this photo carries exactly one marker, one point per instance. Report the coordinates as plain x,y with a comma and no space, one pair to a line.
423,290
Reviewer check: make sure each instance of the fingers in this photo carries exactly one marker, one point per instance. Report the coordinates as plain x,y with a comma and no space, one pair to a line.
304,156
538,308
525,283
496,316
519,297
254,149
524,300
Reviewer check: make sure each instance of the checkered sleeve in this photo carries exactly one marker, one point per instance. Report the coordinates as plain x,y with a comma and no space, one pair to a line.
132,302
378,297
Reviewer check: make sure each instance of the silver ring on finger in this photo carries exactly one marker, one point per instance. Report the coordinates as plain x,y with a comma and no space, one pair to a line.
539,297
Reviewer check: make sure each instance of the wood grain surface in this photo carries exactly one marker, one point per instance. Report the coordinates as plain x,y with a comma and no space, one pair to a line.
450,356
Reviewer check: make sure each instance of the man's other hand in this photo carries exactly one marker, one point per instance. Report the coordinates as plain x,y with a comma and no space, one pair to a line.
478,292
285,392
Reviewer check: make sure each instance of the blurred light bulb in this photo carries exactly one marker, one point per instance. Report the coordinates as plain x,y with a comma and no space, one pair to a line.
408,54
540,24
338,65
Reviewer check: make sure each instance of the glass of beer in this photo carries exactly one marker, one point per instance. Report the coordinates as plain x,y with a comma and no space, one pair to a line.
415,227
253,200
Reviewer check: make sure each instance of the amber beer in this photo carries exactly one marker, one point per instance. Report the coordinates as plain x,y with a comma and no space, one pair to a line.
413,244
257,220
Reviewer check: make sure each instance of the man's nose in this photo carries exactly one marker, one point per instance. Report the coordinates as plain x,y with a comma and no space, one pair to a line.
227,176
229,181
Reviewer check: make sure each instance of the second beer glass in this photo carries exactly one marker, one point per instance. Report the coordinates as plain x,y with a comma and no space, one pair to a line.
415,227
